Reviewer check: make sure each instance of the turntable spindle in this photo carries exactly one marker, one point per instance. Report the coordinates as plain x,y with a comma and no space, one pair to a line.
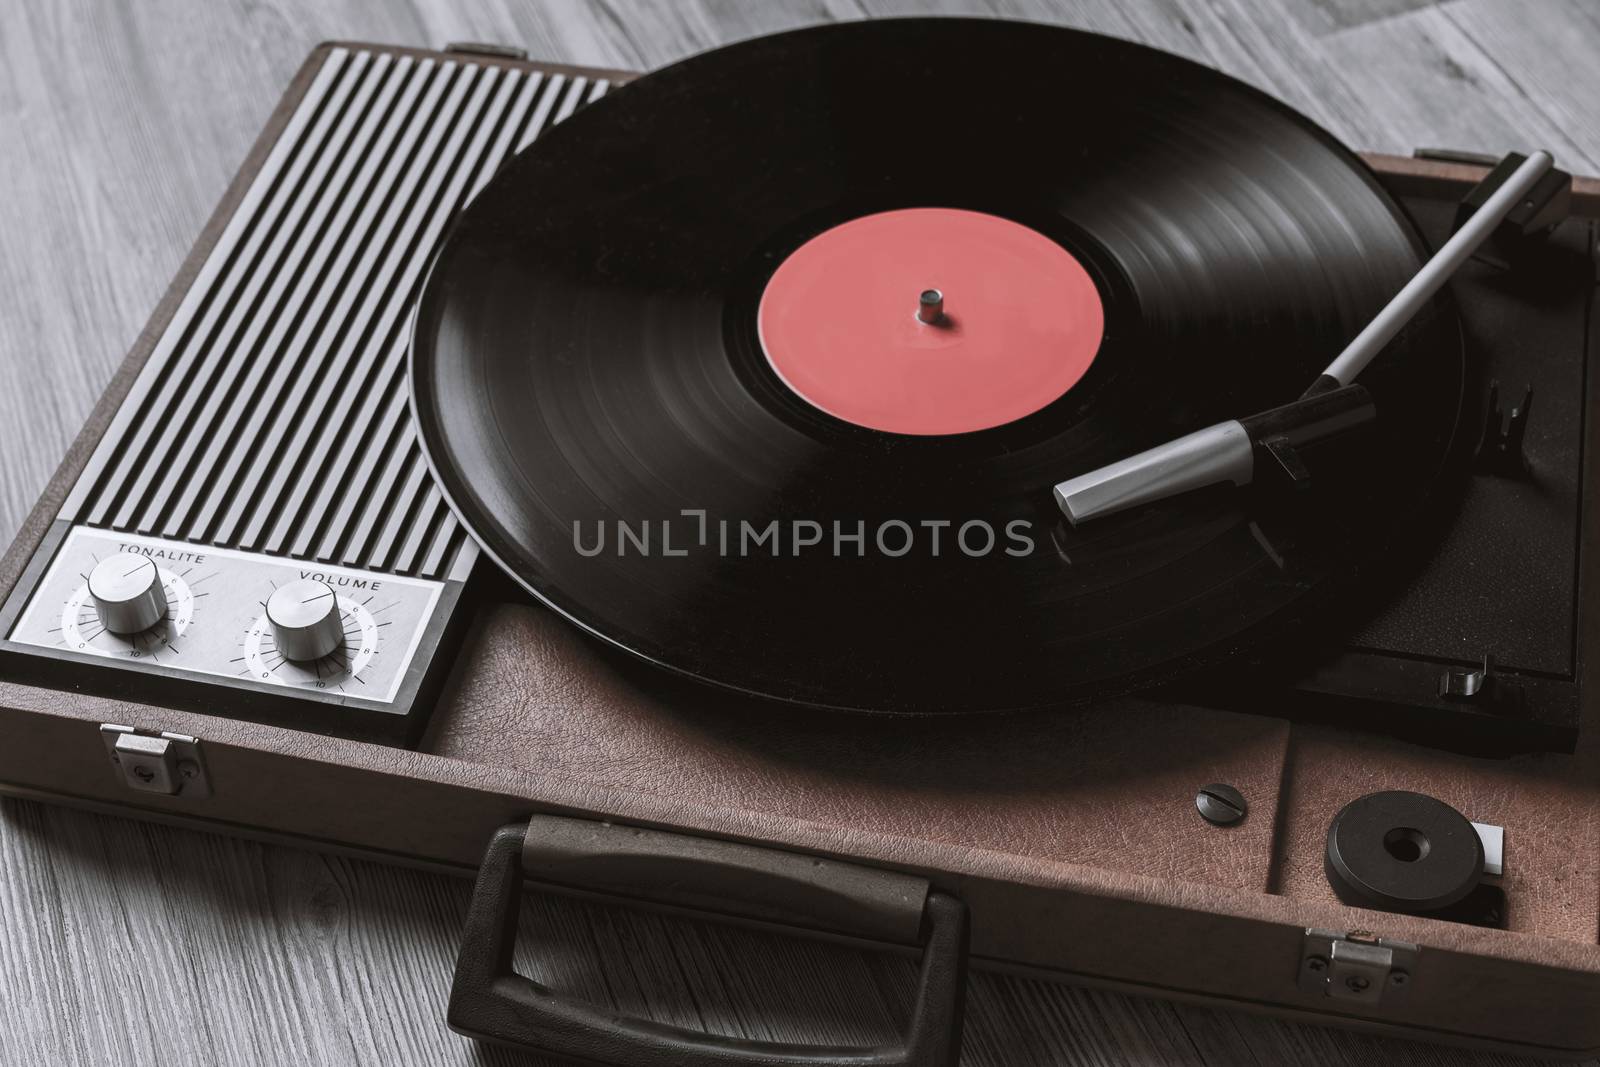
930,307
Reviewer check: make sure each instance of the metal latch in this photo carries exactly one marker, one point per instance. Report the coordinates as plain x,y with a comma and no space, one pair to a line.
485,48
1356,966
152,762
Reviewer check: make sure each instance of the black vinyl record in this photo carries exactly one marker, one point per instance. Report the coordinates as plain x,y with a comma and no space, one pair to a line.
586,365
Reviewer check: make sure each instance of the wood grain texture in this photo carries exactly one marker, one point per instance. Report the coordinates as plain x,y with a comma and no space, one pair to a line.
137,944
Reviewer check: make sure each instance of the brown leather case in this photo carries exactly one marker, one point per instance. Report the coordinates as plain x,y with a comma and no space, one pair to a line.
1073,838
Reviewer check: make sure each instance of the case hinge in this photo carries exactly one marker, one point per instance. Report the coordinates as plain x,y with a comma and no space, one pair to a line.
1356,966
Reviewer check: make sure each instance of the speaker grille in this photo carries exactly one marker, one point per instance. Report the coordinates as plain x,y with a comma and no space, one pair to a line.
272,413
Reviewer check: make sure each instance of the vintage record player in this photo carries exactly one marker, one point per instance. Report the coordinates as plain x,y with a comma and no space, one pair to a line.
406,529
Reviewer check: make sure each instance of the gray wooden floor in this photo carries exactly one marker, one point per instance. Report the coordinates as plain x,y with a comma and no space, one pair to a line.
121,122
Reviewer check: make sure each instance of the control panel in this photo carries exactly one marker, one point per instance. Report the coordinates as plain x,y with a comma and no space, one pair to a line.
253,622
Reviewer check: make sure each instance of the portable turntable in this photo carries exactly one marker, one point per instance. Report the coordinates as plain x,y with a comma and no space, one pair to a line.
587,502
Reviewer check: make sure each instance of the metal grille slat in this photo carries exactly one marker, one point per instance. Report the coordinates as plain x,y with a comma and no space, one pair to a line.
241,334
241,477
330,421
291,232
388,462
176,353
202,292
446,540
360,407
272,413
318,416
427,519
206,497
404,504
541,114
250,351
569,103
381,460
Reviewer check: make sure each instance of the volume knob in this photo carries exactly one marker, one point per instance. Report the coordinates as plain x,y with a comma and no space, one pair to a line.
305,619
127,594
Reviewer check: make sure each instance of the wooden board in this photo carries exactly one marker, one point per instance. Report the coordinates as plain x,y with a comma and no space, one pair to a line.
124,942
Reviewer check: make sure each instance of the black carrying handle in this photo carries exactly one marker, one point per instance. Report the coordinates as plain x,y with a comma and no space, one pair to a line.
491,1002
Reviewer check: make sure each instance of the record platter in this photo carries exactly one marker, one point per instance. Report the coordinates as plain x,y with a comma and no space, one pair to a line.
559,391
787,484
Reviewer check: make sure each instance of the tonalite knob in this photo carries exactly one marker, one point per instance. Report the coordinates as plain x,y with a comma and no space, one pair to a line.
127,594
305,620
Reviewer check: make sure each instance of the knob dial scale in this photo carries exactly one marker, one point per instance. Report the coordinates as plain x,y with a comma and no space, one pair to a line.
309,636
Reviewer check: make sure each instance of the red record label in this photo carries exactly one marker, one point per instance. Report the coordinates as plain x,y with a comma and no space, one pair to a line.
844,321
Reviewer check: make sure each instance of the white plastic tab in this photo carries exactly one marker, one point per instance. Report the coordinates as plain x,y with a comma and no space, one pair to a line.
1494,847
